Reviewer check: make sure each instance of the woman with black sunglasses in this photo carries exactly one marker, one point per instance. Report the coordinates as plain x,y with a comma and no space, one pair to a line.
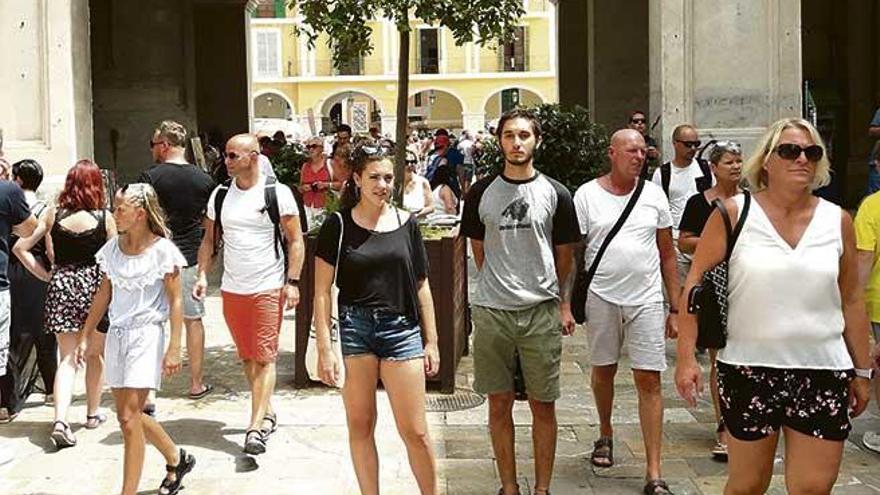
315,179
375,253
417,196
797,355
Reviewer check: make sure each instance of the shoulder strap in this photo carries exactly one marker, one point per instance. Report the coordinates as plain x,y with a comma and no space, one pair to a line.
39,208
271,197
747,201
665,177
616,228
218,209
733,232
338,245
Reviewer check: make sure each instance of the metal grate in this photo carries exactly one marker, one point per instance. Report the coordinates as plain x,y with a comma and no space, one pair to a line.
459,401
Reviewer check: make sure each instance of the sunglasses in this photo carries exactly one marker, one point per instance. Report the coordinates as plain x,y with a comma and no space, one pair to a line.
637,121
235,156
690,144
791,151
153,144
313,146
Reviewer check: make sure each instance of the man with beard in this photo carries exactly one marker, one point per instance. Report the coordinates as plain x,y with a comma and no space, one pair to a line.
625,303
522,227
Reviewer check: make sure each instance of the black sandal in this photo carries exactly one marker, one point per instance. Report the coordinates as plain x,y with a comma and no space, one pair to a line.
501,490
272,418
184,466
254,442
603,452
657,487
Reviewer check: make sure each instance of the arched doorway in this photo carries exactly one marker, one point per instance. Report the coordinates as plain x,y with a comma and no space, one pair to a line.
355,108
509,98
435,108
272,105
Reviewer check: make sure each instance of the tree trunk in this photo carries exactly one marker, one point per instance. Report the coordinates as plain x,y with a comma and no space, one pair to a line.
402,114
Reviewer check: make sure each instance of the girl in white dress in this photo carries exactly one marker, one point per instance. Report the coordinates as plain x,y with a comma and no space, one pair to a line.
141,286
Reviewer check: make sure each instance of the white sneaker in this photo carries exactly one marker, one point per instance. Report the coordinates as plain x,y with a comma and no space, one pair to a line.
871,441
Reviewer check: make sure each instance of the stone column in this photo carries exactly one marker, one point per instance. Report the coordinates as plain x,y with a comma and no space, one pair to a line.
46,88
729,67
389,124
473,121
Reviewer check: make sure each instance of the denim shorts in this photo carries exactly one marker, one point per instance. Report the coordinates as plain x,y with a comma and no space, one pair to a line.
385,334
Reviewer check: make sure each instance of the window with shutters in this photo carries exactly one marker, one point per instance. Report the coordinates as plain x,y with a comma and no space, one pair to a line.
428,46
267,45
515,53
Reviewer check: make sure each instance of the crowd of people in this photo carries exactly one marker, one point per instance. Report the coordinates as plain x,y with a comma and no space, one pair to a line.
104,290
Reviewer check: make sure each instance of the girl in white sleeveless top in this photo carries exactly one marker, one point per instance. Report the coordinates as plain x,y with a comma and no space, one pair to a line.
796,324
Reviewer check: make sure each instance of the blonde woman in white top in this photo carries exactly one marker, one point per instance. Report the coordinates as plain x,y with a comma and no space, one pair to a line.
797,324
141,286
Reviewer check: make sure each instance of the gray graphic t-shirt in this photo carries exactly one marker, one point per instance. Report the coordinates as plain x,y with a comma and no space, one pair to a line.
519,223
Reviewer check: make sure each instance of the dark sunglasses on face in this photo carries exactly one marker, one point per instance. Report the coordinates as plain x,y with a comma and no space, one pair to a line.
235,156
690,144
791,151
153,144
313,146
637,121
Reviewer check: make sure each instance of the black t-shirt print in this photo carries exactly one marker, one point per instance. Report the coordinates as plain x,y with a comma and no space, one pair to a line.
378,269
183,191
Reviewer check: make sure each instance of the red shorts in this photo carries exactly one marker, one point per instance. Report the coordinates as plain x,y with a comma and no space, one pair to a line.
254,320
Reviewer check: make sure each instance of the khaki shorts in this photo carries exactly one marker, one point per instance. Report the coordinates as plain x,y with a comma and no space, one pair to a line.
640,329
536,333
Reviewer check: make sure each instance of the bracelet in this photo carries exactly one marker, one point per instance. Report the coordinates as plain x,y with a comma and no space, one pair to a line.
673,311
292,281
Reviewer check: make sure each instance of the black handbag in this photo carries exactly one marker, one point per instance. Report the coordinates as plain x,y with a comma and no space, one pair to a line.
708,299
582,279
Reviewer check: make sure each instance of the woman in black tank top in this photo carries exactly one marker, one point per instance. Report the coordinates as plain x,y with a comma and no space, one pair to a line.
74,281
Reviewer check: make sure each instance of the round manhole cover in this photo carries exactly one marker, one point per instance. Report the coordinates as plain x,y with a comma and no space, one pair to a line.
459,401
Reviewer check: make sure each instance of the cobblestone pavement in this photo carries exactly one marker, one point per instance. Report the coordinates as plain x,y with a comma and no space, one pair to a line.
309,453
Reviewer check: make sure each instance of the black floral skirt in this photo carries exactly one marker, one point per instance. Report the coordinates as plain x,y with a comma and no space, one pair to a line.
69,298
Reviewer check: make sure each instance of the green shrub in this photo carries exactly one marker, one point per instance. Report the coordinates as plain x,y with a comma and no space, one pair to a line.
573,149
287,163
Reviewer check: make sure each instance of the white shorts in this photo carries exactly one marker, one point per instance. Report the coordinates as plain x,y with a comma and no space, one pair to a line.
133,357
641,329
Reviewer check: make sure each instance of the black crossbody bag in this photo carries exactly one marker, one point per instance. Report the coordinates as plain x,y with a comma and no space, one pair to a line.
582,279
708,300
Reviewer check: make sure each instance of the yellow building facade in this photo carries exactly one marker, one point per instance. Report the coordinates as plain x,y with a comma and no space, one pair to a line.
297,88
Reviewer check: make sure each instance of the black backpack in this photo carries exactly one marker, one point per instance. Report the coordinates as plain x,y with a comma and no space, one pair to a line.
703,183
271,198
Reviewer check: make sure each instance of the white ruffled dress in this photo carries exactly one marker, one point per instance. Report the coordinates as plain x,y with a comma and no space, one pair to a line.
138,311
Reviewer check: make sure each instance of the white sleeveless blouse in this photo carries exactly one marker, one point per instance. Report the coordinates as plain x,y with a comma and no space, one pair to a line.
784,306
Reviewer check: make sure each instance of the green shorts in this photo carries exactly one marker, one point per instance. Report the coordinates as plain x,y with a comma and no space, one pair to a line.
535,332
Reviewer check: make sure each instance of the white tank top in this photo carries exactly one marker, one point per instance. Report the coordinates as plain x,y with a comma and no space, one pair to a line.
414,200
784,306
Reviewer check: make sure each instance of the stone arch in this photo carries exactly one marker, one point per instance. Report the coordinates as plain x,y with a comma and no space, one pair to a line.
442,113
532,95
264,98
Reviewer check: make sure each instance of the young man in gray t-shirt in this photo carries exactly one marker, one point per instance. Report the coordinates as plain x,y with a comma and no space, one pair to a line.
523,226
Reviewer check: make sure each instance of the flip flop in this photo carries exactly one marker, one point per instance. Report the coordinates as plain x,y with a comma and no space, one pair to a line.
95,420
201,395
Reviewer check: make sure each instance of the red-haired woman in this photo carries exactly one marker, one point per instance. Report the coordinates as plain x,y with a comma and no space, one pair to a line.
79,227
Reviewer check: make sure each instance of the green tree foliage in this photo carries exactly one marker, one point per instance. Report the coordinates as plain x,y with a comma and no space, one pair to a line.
348,34
573,149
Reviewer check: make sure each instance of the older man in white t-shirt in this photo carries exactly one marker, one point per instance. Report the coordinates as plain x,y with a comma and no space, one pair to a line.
255,287
686,178
625,303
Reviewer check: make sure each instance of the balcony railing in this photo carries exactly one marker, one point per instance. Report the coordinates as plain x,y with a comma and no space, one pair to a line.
375,66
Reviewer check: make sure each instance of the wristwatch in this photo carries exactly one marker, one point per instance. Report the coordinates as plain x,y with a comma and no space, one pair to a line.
865,373
292,281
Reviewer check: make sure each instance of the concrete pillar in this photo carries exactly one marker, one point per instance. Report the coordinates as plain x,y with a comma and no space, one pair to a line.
46,88
473,121
729,67
389,124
